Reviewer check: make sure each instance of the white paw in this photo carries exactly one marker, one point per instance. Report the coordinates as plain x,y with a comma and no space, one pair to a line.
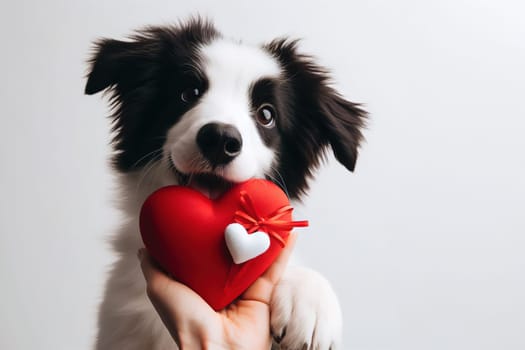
305,312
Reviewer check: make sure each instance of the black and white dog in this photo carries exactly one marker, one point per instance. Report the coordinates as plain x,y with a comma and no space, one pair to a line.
191,107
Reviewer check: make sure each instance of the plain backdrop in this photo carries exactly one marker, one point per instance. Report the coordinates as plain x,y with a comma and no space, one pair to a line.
424,243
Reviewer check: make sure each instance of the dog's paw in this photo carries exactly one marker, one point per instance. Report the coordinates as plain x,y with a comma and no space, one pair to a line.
305,312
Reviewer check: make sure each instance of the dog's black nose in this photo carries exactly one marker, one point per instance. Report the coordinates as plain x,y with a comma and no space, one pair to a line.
219,143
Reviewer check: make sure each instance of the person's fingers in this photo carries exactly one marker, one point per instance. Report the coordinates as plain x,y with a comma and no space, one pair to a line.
179,307
157,282
261,290
159,285
146,264
275,271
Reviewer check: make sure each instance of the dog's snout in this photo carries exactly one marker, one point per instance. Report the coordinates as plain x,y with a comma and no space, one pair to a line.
219,143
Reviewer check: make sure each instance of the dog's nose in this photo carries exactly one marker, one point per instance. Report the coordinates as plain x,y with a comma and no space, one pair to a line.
219,143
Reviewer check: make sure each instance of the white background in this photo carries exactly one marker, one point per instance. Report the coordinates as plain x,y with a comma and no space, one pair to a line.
424,243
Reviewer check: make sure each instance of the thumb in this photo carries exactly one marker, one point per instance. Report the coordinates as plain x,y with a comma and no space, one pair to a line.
262,288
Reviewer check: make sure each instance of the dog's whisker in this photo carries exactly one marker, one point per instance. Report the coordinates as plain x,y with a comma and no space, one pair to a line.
146,169
190,177
274,179
146,155
153,179
280,182
143,174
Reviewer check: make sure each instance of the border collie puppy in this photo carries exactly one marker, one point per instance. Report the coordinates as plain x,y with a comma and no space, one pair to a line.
191,107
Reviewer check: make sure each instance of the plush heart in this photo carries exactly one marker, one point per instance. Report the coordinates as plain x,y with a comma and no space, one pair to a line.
184,231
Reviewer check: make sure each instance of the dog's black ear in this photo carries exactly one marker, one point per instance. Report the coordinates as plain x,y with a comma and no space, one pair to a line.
106,64
328,117
119,63
342,121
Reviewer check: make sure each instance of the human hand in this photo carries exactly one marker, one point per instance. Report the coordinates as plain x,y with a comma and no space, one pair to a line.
193,324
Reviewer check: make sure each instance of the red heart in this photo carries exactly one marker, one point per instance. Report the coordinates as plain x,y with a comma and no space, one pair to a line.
184,232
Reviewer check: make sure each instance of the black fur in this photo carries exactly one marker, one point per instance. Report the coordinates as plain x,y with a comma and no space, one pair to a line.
317,117
267,91
147,74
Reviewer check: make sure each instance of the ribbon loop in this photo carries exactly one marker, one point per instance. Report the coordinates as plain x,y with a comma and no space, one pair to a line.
273,224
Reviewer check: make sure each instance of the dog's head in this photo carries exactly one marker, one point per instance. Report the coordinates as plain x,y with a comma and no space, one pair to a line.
214,112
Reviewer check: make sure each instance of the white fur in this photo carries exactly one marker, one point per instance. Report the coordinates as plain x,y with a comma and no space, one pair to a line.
304,302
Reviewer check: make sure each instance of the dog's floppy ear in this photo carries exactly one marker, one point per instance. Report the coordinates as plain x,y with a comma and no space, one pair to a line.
106,64
120,63
328,117
342,121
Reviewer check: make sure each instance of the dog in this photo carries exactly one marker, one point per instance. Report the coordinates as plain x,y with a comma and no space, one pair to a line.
194,108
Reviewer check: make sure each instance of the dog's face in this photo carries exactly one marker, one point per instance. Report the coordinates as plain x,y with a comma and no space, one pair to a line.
216,112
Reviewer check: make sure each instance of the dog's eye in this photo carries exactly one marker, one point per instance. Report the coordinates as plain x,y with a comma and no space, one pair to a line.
266,116
190,94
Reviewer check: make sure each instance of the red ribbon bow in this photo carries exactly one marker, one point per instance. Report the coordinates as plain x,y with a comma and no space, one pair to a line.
274,224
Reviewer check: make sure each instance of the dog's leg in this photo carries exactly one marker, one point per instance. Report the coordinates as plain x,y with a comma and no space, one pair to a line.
305,312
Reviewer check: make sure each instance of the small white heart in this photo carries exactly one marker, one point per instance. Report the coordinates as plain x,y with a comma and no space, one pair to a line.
244,246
